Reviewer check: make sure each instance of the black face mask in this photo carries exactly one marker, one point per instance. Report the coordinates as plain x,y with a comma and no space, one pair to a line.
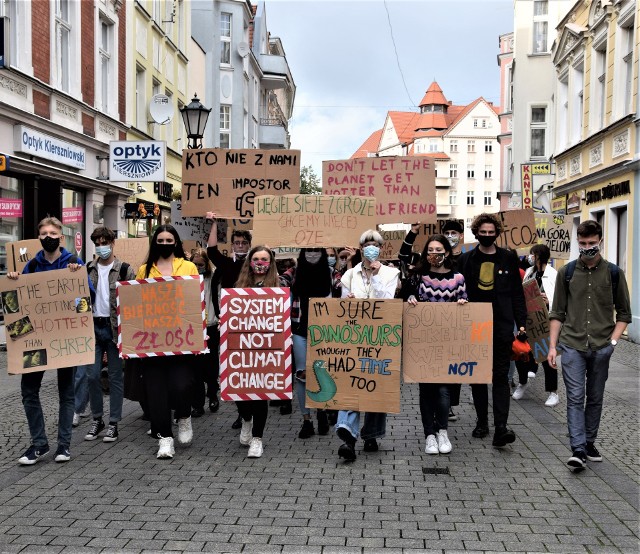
50,244
486,240
165,250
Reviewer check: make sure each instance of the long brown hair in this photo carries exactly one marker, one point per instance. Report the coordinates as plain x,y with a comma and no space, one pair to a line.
248,279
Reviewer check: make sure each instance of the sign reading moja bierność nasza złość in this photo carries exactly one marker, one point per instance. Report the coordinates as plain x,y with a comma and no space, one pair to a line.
48,320
538,328
354,348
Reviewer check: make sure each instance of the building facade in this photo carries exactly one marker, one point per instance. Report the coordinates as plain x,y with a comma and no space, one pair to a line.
62,101
505,138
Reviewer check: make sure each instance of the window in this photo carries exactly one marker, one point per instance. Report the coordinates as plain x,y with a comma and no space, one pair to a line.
475,123
141,99
540,26
181,26
538,131
626,34
576,102
453,170
453,198
63,45
106,73
471,146
488,146
599,64
510,87
225,126
471,172
563,111
487,198
487,172
453,146
169,136
156,128
471,199
509,168
225,38
433,145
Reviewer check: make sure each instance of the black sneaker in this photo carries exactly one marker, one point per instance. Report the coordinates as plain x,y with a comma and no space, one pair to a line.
214,405
112,433
481,431
503,436
307,430
578,461
370,445
97,426
452,415
33,454
197,412
237,423
323,423
286,408
63,454
347,451
593,455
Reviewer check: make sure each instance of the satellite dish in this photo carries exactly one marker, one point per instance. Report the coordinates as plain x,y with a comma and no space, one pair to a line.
243,49
161,109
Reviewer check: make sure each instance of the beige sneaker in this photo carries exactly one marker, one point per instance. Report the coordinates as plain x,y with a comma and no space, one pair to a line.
246,432
255,448
185,431
165,448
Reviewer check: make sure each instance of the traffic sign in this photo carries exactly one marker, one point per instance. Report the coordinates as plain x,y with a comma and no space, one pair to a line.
78,242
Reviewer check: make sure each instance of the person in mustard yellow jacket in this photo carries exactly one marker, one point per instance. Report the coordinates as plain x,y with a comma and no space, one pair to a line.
168,380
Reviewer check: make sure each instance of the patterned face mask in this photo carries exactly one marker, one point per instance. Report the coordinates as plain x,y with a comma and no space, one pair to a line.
435,259
590,253
260,268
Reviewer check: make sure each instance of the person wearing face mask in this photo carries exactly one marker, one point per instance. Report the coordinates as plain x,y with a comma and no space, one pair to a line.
336,270
492,275
52,256
368,279
168,380
590,311
437,282
103,272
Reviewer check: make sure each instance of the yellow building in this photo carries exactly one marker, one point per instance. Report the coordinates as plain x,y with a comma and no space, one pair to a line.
596,98
158,39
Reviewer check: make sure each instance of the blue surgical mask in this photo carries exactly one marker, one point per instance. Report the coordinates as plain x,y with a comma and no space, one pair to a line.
371,252
331,260
103,251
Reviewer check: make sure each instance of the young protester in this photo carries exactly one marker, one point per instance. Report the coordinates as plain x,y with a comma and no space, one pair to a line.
368,279
207,366
103,273
258,270
336,273
436,282
52,256
168,380
591,309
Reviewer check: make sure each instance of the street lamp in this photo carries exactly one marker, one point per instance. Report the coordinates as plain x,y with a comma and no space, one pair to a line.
195,117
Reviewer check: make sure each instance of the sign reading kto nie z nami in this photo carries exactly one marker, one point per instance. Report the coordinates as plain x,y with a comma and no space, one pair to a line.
143,160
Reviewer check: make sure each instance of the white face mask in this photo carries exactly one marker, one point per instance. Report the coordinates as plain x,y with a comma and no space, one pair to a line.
312,257
531,259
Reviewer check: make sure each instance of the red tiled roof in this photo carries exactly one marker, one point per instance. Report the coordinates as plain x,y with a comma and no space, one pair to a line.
465,111
404,124
430,133
434,95
432,121
369,146
435,155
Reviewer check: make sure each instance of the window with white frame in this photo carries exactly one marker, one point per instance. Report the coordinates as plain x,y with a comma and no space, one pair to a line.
433,145
181,131
538,131
626,78
562,125
168,126
106,73
488,146
510,87
225,126
471,198
156,127
487,198
487,172
475,122
540,26
453,146
471,146
156,11
141,99
509,168
453,198
225,38
63,45
471,171
453,171
181,26
576,101
599,65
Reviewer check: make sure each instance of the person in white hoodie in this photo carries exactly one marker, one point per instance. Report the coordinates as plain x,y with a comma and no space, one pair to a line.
545,275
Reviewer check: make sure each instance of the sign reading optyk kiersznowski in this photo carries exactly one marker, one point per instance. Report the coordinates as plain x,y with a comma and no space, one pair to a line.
227,181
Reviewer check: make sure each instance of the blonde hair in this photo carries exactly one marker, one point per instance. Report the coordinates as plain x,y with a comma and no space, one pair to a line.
50,220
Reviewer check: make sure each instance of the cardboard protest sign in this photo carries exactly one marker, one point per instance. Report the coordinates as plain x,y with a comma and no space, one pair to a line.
445,342
404,186
554,230
48,320
255,344
132,251
161,317
20,252
538,329
354,349
226,181
285,252
393,239
310,220
519,228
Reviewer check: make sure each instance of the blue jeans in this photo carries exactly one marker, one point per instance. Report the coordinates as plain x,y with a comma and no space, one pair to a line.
80,389
584,371
375,424
300,359
434,407
30,387
104,343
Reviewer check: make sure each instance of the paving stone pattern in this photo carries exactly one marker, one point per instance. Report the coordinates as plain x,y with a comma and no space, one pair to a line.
299,498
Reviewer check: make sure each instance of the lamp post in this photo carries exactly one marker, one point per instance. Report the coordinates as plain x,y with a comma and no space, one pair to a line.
194,117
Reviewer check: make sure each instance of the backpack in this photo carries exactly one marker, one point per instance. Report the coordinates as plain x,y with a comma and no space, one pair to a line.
614,271
124,268
32,262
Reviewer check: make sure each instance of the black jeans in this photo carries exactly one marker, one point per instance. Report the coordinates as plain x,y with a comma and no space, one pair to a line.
207,369
550,374
168,382
501,392
434,407
256,409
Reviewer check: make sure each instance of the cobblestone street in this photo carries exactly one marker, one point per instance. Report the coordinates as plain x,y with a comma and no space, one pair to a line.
300,498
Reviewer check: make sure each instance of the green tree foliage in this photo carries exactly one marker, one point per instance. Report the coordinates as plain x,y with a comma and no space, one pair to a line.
309,181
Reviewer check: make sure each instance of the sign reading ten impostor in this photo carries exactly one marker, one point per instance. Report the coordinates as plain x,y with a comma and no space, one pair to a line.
137,160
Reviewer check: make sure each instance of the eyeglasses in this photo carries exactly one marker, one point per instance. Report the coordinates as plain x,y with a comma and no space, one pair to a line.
241,243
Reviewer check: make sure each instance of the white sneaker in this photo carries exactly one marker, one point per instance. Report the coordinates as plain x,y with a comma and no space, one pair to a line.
531,375
246,433
552,400
165,448
255,448
76,420
444,445
185,431
519,392
432,445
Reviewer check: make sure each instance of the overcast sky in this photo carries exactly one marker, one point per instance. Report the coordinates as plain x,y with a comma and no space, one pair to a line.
344,65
